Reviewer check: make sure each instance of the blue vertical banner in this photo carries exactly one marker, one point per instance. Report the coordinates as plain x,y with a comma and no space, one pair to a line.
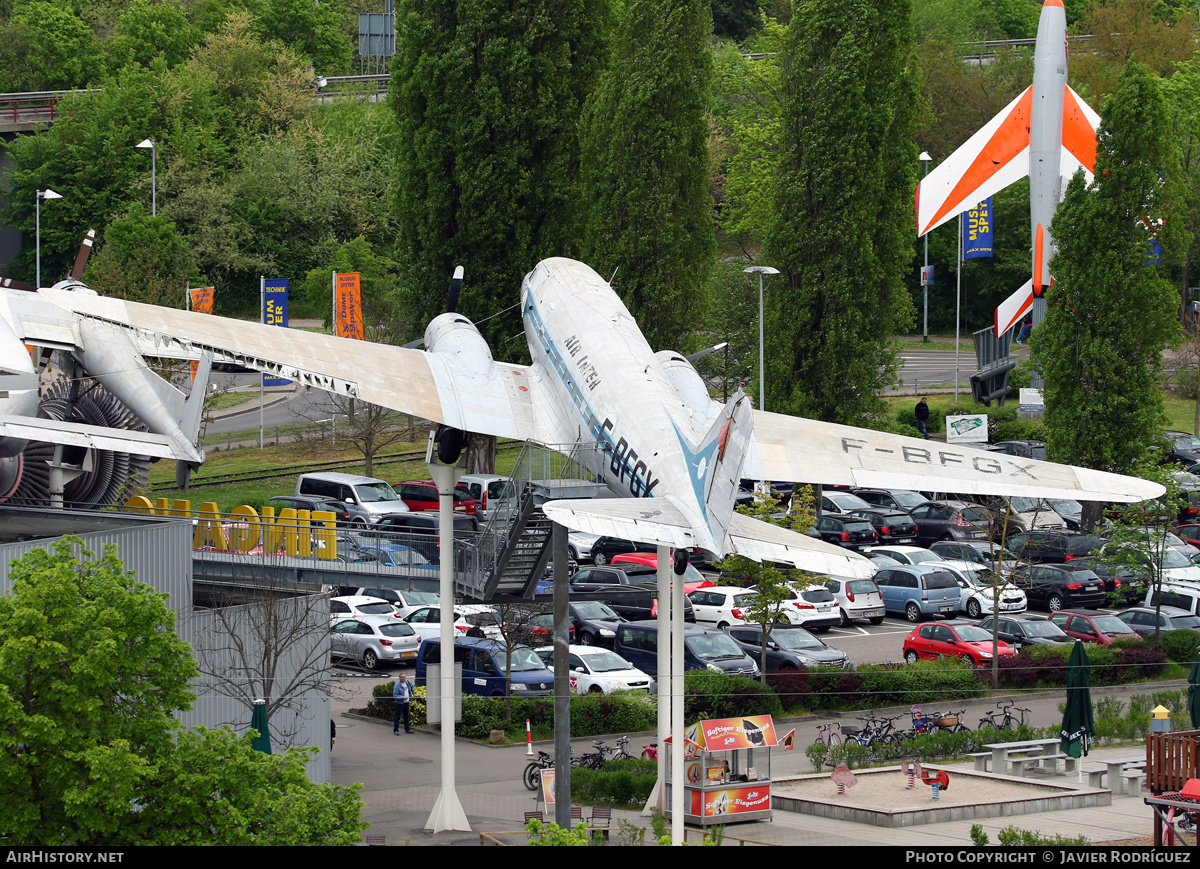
977,230
275,313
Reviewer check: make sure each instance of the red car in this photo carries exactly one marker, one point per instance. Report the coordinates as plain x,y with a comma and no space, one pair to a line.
953,639
422,495
1092,627
692,578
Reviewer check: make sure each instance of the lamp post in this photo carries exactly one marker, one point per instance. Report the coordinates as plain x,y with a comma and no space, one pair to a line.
762,372
925,158
41,194
149,143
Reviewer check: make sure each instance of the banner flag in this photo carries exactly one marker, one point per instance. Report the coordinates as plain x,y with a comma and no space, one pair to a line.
977,230
348,305
275,313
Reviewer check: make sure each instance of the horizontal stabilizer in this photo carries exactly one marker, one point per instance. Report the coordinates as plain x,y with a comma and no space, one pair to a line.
807,451
647,520
1014,308
74,434
762,541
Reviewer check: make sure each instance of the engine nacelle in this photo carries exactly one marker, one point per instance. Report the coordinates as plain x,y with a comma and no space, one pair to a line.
455,336
689,385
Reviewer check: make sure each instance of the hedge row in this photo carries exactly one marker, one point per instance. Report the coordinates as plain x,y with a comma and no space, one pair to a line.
1118,664
619,783
877,685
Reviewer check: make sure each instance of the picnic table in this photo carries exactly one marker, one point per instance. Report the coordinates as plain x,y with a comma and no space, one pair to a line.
1023,755
1124,774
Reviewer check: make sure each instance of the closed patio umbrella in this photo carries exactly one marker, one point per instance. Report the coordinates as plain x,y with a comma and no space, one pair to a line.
258,723
1078,728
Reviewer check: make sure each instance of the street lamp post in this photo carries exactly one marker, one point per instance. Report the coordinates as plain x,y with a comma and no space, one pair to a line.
925,158
762,372
41,194
149,143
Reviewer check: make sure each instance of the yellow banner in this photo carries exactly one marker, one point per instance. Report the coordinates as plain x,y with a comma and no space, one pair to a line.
348,305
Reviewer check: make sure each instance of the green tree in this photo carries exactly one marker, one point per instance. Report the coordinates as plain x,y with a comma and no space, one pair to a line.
62,50
92,675
311,29
1125,30
143,259
1109,314
842,226
149,28
645,167
487,98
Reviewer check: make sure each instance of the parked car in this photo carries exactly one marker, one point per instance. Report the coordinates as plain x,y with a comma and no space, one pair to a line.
595,622
374,640
1145,620
954,639
367,499
312,504
1093,627
420,531
918,591
812,607
719,605
1027,630
1052,547
488,490
1024,449
1013,515
1181,595
1055,586
891,526
403,600
1119,582
357,605
894,499
979,589
402,558
483,667
857,599
982,552
605,548
703,649
599,671
1070,511
949,520
846,530
579,545
630,590
422,496
426,620
532,629
1184,447
789,648
905,554
835,501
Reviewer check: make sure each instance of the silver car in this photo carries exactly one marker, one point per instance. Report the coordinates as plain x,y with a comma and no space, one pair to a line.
375,640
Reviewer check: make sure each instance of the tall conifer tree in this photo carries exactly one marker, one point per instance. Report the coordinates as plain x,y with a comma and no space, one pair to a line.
842,228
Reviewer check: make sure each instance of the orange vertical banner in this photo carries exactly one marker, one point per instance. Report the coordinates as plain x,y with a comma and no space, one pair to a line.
202,303
349,307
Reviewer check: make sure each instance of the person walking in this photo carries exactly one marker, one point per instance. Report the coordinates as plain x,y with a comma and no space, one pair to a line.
922,412
402,694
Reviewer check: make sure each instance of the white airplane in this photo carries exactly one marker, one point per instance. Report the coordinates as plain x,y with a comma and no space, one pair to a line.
674,455
1047,133
28,321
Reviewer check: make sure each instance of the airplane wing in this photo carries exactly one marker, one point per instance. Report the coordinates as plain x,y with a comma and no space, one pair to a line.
433,386
989,161
74,434
657,520
807,451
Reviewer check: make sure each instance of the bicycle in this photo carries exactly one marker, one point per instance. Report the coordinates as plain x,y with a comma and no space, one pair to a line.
532,777
1006,720
951,722
620,752
828,735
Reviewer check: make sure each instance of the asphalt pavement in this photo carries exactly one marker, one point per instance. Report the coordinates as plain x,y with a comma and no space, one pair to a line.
400,777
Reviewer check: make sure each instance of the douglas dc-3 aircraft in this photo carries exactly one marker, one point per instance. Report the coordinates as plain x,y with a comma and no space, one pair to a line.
1047,133
672,454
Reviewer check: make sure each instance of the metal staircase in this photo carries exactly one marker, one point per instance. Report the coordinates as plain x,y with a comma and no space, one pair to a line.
512,551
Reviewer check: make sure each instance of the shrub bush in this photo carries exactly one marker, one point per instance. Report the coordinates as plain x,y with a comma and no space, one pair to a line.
923,682
619,783
1180,645
717,695
1046,666
907,416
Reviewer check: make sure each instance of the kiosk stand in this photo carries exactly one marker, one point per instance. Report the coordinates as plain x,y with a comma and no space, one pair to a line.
727,765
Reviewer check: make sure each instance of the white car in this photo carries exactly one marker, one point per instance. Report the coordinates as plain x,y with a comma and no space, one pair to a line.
976,593
857,599
426,620
599,671
813,607
404,601
374,640
905,554
353,605
718,605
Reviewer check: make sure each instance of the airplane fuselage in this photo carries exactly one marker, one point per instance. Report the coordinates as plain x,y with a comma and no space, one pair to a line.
591,351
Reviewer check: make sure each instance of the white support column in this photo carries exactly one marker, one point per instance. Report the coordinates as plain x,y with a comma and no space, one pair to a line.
662,680
447,812
677,752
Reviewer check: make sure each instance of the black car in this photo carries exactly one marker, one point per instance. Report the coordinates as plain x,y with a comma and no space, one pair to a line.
1024,449
1168,618
1020,631
1184,447
1048,547
850,532
312,504
605,548
1118,581
595,622
891,526
978,551
1056,586
894,499
629,590
789,648
417,531
949,520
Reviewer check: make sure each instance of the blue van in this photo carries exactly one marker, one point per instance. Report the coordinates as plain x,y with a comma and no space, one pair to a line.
703,649
483,667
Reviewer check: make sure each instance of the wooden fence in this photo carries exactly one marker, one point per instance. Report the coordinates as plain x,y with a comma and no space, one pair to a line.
1172,759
